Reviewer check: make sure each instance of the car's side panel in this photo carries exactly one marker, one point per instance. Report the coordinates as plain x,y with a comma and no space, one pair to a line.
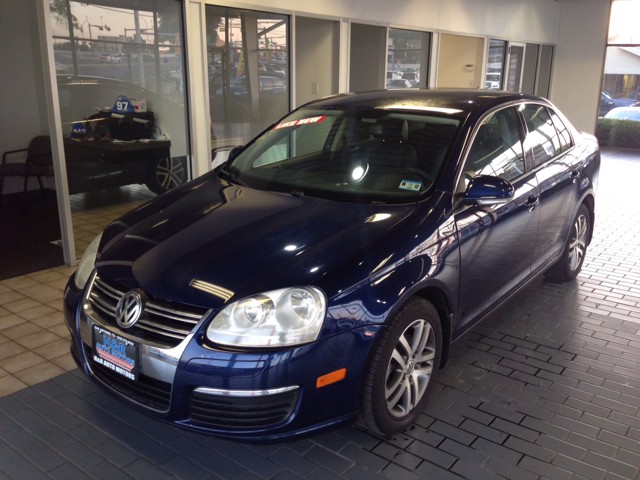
496,246
558,181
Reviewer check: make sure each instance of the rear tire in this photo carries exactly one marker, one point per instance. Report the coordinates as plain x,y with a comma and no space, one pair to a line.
570,263
403,368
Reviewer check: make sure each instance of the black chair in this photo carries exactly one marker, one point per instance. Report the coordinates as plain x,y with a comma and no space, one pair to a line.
39,162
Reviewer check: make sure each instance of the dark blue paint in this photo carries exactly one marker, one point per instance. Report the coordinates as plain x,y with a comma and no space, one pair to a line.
469,257
488,187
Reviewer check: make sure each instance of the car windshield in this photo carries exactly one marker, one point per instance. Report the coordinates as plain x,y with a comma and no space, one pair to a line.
607,95
349,155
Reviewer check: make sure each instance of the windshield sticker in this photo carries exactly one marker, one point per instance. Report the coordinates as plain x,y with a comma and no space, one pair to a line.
302,121
410,185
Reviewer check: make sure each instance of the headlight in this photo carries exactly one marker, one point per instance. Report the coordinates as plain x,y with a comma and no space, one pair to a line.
285,317
88,260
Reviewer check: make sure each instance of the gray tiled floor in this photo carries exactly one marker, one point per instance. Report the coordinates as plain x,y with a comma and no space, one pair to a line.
549,387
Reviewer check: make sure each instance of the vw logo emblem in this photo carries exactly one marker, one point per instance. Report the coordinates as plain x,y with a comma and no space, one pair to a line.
129,308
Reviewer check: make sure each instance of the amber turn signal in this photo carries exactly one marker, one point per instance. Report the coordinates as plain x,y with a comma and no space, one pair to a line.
331,377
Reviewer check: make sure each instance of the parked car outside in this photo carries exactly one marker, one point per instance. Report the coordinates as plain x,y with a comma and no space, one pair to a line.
110,58
412,77
269,85
392,76
400,83
624,113
608,102
322,273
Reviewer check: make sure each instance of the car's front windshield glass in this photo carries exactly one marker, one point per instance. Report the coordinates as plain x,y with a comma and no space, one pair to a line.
350,155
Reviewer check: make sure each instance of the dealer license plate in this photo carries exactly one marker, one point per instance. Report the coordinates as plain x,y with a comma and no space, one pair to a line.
115,352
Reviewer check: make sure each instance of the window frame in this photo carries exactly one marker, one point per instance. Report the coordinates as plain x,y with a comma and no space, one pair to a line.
471,138
518,124
534,167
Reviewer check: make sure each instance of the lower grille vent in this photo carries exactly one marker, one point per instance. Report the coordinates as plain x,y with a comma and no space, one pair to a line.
227,411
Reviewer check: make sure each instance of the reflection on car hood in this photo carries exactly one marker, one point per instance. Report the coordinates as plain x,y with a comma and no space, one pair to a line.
236,238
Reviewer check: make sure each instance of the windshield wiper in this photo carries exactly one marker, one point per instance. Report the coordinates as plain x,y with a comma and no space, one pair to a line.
232,176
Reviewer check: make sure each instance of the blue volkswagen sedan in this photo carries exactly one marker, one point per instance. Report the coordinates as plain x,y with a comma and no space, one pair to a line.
322,273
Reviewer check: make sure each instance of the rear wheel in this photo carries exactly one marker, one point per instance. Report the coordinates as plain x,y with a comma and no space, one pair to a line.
570,263
403,368
165,174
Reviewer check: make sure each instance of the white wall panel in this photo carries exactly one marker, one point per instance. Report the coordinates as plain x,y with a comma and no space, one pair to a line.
522,20
579,60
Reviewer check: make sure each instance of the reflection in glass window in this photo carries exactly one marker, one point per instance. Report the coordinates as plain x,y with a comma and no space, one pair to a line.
542,134
355,155
563,133
407,58
121,90
248,63
495,64
497,148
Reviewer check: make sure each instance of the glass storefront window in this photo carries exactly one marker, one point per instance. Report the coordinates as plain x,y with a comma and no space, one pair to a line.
407,58
248,64
121,90
495,64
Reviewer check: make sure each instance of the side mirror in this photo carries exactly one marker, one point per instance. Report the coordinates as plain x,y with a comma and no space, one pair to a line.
488,190
234,151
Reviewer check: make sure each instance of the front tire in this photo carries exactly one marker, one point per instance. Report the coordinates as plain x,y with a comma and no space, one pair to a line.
570,263
403,368
165,174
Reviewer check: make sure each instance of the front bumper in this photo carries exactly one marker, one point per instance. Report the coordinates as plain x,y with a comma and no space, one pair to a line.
237,381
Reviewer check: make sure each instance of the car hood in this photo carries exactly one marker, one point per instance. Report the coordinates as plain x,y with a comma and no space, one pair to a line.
241,239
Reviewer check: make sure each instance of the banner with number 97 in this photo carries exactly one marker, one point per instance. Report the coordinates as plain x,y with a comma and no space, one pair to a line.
122,105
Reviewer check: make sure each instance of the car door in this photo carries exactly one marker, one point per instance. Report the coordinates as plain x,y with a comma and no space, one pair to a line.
496,242
557,171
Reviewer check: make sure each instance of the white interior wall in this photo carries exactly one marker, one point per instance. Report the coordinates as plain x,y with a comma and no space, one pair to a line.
579,60
460,61
523,20
22,112
315,58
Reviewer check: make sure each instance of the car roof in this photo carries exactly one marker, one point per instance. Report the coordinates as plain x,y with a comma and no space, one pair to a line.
464,101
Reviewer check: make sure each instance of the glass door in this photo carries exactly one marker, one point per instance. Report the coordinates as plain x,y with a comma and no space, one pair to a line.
515,62
495,64
122,98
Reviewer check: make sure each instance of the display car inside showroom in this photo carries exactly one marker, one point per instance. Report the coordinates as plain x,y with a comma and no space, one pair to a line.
308,240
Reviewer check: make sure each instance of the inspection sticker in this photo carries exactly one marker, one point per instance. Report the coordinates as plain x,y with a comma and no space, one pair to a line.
410,185
302,121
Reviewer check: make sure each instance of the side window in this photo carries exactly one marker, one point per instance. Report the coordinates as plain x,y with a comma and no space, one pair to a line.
542,135
497,148
563,133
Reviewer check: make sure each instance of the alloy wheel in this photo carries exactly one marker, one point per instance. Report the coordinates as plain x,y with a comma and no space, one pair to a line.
170,173
578,244
410,368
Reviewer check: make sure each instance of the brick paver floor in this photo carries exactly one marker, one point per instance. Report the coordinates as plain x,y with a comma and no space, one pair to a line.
548,387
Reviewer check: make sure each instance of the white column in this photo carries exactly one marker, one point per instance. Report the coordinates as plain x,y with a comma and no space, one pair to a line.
55,131
196,72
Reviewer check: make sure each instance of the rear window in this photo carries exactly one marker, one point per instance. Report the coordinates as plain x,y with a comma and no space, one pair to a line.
542,134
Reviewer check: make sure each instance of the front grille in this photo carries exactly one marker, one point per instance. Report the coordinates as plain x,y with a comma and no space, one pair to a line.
162,321
146,390
210,410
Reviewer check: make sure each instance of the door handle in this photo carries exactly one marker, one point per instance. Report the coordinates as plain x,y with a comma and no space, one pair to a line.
532,202
575,175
